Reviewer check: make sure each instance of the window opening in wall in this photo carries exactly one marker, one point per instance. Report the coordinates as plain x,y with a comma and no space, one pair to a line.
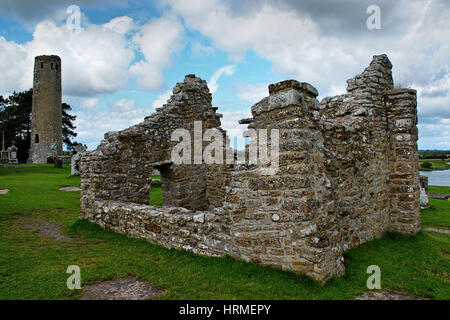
181,186
36,138
42,65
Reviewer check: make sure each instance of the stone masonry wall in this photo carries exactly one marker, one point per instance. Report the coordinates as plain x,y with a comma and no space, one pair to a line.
403,161
356,149
276,219
347,173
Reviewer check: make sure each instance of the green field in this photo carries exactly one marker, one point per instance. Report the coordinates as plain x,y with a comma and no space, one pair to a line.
34,267
438,189
437,164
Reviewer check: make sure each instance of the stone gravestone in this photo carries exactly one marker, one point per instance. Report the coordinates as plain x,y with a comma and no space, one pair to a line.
12,153
423,196
4,156
81,149
58,163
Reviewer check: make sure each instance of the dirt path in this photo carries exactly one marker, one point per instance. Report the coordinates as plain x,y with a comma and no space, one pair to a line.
128,288
437,230
385,295
46,229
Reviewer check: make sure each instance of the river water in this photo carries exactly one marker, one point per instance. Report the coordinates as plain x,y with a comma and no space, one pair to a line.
437,177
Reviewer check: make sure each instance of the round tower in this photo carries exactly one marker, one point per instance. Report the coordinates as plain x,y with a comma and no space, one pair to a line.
46,123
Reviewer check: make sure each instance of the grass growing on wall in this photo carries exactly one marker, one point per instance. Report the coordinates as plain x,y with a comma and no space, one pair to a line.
34,267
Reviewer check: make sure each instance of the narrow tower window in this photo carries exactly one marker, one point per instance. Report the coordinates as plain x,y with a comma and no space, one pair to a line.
56,66
42,65
51,65
36,138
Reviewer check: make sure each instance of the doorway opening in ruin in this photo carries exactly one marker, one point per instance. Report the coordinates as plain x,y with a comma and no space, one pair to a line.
180,186
155,193
167,185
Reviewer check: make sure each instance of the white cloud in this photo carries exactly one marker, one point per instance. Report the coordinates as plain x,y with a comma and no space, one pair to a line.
121,114
89,103
121,25
157,41
234,129
13,74
162,99
434,134
122,106
200,49
149,76
97,58
94,60
32,11
290,42
297,46
213,81
252,93
433,99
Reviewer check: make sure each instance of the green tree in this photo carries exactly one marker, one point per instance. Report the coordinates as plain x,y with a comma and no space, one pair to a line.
68,128
15,122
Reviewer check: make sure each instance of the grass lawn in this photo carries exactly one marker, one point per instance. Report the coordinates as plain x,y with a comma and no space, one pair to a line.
439,215
34,267
156,195
438,189
437,164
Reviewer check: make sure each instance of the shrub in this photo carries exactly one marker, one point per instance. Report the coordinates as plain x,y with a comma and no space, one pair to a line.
50,159
427,165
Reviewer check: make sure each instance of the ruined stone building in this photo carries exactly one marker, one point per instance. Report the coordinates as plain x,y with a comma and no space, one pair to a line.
46,123
348,172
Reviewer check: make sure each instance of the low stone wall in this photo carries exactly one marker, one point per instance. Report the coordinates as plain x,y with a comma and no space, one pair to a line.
172,227
442,196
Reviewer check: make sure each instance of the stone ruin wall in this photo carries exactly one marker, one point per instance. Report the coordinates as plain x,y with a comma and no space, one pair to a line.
347,173
121,167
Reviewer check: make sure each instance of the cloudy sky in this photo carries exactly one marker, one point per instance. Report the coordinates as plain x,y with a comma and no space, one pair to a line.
127,55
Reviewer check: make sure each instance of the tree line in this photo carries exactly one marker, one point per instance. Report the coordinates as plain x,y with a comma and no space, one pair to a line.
15,122
434,154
